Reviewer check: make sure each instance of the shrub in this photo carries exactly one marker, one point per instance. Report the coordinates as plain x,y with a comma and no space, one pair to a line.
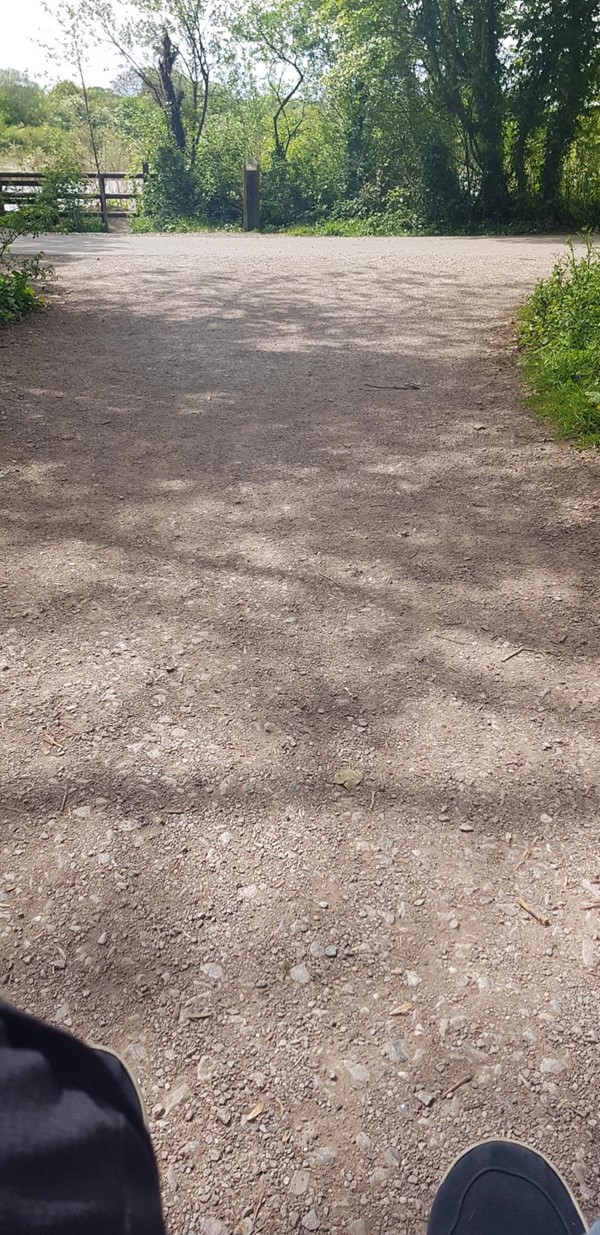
17,296
559,329
171,192
62,201
18,274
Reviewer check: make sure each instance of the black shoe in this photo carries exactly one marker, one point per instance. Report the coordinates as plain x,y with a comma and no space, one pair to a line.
504,1188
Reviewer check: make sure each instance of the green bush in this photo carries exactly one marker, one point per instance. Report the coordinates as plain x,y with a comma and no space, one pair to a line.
18,275
17,296
559,329
62,204
171,191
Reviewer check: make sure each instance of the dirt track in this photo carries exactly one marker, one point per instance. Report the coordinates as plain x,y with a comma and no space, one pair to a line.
273,508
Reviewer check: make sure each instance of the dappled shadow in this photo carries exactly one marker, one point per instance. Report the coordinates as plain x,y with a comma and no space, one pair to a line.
261,525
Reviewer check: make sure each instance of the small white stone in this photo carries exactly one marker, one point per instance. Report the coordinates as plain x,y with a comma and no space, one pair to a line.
552,1066
299,1182
213,971
299,973
357,1072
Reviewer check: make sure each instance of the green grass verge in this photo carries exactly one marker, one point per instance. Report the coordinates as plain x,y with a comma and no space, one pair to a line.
141,225
559,331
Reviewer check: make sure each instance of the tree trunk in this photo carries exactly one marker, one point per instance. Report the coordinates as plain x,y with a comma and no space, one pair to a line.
487,98
173,97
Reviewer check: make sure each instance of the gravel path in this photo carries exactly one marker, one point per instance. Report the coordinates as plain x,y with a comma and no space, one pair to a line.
275,518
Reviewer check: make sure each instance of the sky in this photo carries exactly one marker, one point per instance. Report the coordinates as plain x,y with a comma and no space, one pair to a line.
25,25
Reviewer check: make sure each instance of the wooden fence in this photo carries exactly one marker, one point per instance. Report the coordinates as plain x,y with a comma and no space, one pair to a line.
112,195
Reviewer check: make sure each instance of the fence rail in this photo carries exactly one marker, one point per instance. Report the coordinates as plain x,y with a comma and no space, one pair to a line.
22,188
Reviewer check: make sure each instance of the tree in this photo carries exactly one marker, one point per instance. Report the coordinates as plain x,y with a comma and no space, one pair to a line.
556,69
22,100
289,39
462,41
166,44
74,40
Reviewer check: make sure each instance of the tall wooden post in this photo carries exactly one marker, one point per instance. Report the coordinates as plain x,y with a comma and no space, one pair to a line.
102,194
251,196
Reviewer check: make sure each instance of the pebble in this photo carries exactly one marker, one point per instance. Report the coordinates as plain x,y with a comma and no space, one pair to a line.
299,1182
212,1226
102,939
392,1157
293,1218
205,1068
358,1227
245,1227
176,1096
331,950
588,953
412,978
82,812
213,971
224,1115
357,1072
310,1221
395,1051
61,1016
299,973
363,1141
552,1066
323,1156
426,1099
545,818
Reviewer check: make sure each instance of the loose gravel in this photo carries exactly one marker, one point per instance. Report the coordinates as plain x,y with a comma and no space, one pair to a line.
299,690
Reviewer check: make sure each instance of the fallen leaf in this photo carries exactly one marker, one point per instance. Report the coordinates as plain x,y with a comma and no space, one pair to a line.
255,1112
348,777
403,1009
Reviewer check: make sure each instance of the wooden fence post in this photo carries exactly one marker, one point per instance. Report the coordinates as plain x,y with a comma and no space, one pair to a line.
1,200
251,196
102,194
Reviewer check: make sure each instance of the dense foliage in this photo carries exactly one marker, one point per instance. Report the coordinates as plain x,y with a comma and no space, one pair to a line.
560,335
19,274
368,116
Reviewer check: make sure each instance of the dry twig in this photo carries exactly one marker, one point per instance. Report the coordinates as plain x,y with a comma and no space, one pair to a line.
538,917
458,1085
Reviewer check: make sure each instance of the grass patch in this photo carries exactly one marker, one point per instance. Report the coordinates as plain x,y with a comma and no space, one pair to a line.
141,224
559,331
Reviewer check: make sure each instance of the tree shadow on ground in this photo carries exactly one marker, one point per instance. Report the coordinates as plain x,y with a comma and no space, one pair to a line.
259,529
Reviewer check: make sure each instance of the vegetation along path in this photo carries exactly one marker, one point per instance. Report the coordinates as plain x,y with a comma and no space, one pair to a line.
298,707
